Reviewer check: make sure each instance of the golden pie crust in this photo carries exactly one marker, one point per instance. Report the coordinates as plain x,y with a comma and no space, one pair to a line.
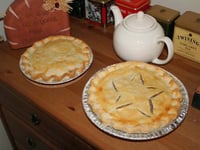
56,59
134,97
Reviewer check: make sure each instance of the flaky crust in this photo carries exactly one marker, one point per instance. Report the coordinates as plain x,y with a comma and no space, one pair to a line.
55,59
134,97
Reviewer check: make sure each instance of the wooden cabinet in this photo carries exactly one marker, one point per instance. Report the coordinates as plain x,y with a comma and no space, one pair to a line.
24,136
32,128
53,118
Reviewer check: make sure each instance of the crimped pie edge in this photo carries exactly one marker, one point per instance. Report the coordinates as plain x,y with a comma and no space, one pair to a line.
130,129
25,66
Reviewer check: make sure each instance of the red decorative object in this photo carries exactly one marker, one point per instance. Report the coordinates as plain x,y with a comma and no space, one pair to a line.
27,21
132,6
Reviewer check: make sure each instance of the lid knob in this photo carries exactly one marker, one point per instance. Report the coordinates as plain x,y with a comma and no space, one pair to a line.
140,22
140,16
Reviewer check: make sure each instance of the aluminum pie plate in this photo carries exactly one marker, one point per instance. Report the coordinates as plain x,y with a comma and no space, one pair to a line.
58,82
138,136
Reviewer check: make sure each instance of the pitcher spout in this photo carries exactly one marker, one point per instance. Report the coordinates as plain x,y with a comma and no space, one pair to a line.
117,14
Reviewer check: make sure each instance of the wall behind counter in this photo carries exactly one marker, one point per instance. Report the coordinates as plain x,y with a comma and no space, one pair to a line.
180,5
3,7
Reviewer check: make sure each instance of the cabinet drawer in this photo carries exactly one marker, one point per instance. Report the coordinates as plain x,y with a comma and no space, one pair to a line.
24,135
40,121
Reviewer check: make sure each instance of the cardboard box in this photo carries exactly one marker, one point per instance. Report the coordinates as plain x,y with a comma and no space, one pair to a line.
187,36
165,16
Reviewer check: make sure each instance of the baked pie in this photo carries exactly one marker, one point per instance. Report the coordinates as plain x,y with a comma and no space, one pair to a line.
134,97
56,59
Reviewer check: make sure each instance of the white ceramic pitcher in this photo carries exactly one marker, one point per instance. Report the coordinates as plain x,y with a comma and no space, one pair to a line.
140,37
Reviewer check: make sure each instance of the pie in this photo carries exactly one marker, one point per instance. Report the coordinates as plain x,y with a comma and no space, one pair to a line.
56,59
134,97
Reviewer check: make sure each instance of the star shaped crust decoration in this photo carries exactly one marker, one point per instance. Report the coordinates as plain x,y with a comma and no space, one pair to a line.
133,84
134,97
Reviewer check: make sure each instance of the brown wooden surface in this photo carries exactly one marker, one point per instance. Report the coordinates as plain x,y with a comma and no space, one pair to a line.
65,103
23,137
26,114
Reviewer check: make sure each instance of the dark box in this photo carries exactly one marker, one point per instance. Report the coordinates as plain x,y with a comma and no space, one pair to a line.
165,16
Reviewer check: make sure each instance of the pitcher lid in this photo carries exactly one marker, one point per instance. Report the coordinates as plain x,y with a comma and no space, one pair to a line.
140,22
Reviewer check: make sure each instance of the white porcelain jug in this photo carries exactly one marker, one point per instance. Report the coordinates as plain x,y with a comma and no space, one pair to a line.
140,37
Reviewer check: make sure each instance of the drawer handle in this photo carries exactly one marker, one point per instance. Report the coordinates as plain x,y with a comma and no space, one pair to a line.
35,119
31,142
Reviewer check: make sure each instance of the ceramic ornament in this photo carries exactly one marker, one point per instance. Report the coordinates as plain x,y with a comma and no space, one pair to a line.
27,21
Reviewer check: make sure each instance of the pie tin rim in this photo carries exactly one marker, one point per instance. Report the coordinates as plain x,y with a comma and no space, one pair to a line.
138,136
63,81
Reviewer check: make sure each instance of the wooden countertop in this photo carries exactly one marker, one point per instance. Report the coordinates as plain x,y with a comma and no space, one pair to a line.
65,103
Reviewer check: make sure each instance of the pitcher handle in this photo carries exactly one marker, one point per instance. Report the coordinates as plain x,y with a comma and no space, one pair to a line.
170,51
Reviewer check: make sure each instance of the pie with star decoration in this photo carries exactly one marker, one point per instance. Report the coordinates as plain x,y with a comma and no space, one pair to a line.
134,97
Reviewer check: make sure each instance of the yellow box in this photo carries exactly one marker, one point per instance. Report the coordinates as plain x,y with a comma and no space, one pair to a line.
187,36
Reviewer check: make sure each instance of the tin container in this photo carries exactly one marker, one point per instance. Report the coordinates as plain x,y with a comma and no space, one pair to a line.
132,6
165,16
98,11
187,36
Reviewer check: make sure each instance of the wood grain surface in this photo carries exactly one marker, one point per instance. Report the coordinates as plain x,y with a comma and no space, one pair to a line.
65,103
